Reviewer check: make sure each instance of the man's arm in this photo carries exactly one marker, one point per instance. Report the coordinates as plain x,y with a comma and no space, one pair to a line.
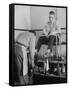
32,48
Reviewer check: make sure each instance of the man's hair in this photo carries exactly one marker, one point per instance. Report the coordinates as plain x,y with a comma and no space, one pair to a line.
52,13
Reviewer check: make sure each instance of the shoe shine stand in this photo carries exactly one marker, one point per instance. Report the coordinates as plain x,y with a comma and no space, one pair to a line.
47,61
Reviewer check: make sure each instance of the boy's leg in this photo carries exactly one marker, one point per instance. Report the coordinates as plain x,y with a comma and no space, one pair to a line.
41,40
51,41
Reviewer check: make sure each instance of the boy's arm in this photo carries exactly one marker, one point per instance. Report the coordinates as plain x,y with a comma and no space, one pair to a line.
57,31
45,30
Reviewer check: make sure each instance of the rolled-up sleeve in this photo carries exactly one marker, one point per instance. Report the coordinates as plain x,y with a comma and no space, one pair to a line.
45,30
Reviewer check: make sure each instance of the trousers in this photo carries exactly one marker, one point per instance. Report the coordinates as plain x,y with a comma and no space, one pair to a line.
46,41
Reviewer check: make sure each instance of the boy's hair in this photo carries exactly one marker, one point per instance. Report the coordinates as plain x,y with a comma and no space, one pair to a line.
52,13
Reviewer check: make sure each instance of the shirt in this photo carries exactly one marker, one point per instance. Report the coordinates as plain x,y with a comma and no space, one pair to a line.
26,38
51,27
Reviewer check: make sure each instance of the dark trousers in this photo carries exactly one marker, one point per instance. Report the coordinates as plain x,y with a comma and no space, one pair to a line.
45,40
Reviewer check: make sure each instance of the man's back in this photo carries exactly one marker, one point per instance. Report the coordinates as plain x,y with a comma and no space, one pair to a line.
25,38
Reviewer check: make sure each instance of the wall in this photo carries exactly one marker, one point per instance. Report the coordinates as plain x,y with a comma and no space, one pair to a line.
61,16
22,18
34,17
39,16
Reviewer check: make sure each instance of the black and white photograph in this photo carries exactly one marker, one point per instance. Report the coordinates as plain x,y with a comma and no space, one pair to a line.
38,44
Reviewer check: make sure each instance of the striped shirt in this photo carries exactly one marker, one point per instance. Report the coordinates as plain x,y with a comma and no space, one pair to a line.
26,38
